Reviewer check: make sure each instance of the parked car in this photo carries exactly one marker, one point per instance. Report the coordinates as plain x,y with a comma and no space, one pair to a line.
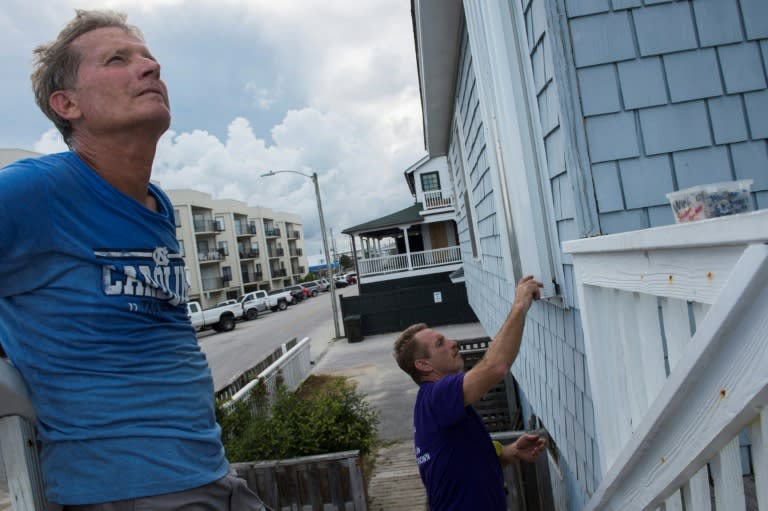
297,292
351,277
220,318
262,300
340,281
323,284
313,287
226,302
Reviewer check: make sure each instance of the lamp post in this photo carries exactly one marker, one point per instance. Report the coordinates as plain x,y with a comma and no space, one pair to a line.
313,177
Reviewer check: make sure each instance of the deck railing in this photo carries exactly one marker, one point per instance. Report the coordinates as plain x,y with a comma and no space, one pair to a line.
401,262
438,199
676,327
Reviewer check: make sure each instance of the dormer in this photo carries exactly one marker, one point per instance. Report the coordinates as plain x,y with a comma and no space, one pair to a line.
430,183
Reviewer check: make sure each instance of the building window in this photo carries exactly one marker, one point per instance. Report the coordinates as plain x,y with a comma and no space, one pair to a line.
223,248
177,217
430,181
181,247
226,274
220,224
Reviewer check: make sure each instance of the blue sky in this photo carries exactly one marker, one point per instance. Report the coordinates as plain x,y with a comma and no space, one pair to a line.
310,85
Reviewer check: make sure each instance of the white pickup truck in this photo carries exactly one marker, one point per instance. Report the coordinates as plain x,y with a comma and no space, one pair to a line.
221,318
258,301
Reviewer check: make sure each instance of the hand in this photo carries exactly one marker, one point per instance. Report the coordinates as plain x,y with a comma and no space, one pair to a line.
527,291
526,448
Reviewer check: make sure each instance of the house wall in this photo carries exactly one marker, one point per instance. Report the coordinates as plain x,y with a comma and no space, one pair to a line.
632,101
438,165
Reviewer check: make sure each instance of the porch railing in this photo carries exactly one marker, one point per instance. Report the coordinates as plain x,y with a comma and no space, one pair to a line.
676,327
417,260
438,199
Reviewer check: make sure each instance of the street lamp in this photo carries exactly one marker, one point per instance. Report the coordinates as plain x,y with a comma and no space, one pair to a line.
313,177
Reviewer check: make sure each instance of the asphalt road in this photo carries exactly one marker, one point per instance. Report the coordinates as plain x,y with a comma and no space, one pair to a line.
231,353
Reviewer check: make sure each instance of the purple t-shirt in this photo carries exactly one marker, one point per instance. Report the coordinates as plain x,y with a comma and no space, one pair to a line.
456,458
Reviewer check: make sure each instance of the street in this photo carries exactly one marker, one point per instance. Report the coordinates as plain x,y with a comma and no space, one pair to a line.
231,353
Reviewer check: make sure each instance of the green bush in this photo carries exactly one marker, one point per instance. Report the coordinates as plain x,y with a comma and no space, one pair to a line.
324,415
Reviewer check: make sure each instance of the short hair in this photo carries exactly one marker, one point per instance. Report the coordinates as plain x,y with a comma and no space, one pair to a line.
407,350
56,64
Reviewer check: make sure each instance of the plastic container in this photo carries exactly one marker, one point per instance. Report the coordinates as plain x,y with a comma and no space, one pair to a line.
711,201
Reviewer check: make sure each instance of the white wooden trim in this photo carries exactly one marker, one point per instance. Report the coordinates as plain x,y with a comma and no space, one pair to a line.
22,467
726,474
696,491
760,458
687,274
713,393
652,349
740,229
677,329
674,502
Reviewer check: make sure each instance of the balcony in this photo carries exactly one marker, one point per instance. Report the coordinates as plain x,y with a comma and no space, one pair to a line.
253,254
675,326
294,234
272,233
276,252
214,283
438,199
205,226
280,272
244,230
210,256
252,277
298,270
401,263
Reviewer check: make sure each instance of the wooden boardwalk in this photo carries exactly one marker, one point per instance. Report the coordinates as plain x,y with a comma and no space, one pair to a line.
395,483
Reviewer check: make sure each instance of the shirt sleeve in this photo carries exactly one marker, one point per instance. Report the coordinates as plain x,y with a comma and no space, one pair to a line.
25,225
447,400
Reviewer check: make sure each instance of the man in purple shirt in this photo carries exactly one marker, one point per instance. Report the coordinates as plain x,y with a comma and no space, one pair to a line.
458,463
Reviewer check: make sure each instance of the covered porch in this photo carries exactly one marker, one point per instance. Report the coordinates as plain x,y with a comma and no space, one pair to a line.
404,244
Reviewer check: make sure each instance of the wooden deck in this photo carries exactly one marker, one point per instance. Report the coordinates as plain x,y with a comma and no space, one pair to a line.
395,483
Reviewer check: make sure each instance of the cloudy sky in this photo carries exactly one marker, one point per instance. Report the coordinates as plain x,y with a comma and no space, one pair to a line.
312,85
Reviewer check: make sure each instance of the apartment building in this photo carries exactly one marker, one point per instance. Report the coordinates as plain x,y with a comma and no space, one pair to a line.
231,248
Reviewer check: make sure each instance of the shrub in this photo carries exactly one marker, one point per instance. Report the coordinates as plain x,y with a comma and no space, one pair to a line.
324,415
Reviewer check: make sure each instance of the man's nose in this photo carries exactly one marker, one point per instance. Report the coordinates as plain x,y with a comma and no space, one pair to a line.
150,67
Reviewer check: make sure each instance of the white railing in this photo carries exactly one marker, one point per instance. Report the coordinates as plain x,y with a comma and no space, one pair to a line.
438,199
676,333
17,442
293,367
401,262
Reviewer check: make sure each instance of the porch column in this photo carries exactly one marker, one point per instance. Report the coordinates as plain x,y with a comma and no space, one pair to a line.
407,247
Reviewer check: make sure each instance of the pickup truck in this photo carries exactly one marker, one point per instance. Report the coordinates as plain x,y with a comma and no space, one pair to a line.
221,318
258,301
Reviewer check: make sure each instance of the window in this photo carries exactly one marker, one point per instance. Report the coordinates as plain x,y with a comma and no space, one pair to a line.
181,247
430,181
226,273
220,226
223,248
177,217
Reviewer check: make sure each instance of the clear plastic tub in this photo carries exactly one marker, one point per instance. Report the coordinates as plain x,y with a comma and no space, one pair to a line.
711,201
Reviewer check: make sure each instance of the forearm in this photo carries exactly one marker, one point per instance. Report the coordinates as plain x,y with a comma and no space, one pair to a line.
506,344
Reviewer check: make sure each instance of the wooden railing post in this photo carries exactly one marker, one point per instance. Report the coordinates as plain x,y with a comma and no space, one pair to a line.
18,444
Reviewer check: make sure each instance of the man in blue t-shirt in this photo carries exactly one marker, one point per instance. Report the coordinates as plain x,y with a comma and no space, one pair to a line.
458,463
93,291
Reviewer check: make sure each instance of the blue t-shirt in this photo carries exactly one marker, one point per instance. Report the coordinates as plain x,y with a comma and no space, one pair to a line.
454,452
93,314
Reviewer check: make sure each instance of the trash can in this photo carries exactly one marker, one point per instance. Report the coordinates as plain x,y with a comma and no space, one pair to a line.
353,328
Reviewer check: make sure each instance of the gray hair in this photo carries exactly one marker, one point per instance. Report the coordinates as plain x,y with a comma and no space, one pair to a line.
56,63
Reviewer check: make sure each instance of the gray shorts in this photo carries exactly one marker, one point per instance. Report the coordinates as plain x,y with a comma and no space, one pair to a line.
229,493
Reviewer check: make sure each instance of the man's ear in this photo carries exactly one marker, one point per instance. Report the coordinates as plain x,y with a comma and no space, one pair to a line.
64,104
422,365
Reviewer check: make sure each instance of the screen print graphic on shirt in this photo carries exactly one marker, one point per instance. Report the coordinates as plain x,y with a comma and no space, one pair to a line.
144,273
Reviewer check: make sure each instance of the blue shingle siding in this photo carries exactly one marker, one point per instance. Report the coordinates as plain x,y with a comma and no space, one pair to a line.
755,13
646,180
692,75
742,67
675,127
621,221
730,120
603,92
664,28
757,113
748,157
612,136
762,199
583,7
708,165
718,21
660,215
602,38
553,145
625,4
642,83
607,187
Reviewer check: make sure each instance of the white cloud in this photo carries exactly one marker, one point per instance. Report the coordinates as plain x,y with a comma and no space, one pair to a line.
50,142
